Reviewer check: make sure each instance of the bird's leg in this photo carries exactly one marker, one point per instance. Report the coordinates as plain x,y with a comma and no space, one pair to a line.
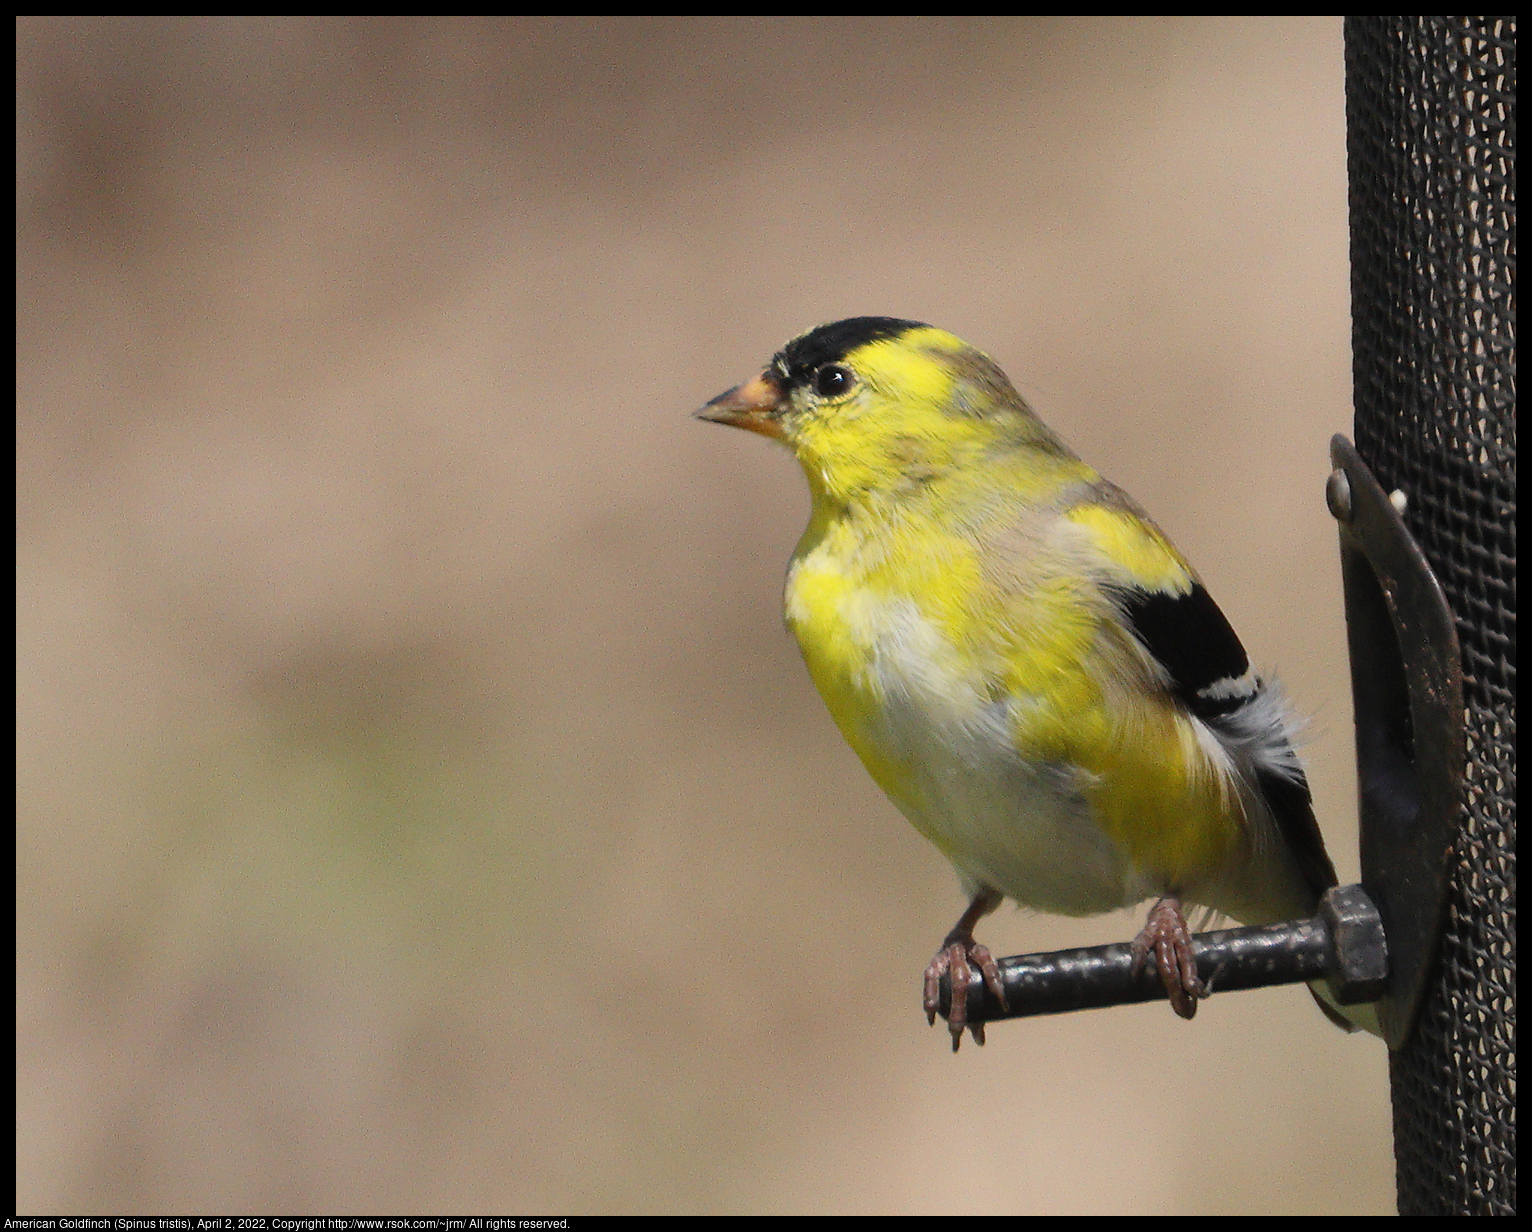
952,960
1166,935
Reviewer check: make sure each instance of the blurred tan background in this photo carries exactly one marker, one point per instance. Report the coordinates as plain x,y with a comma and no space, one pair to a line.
421,805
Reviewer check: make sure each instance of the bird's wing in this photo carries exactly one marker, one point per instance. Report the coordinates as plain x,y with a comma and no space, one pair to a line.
1207,670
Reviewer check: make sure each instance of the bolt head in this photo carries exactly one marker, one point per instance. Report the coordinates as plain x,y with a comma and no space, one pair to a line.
1338,495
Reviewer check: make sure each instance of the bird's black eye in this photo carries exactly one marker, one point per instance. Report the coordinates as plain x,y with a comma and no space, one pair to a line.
832,380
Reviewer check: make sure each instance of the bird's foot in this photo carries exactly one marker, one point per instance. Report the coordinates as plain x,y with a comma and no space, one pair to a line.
956,959
1167,937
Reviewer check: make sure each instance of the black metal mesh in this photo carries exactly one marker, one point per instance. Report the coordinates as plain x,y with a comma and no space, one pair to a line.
1431,132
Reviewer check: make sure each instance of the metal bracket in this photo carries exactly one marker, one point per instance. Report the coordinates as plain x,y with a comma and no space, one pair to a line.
1407,688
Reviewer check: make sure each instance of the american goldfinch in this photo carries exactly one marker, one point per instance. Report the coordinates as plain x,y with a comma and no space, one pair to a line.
1022,660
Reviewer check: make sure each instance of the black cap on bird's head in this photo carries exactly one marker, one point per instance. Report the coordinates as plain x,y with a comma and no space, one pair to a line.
796,363
757,405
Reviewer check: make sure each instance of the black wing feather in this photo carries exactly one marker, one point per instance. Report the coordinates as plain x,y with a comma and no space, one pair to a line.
1193,641
1287,796
1191,638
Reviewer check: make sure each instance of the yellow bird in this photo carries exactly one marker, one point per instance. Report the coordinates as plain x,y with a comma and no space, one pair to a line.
1021,659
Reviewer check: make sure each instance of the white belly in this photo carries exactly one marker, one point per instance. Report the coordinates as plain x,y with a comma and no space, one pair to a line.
1021,826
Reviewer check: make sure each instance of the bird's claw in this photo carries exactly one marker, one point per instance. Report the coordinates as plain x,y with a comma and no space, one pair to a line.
1166,935
956,959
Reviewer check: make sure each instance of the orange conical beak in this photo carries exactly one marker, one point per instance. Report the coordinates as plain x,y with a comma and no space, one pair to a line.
755,406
